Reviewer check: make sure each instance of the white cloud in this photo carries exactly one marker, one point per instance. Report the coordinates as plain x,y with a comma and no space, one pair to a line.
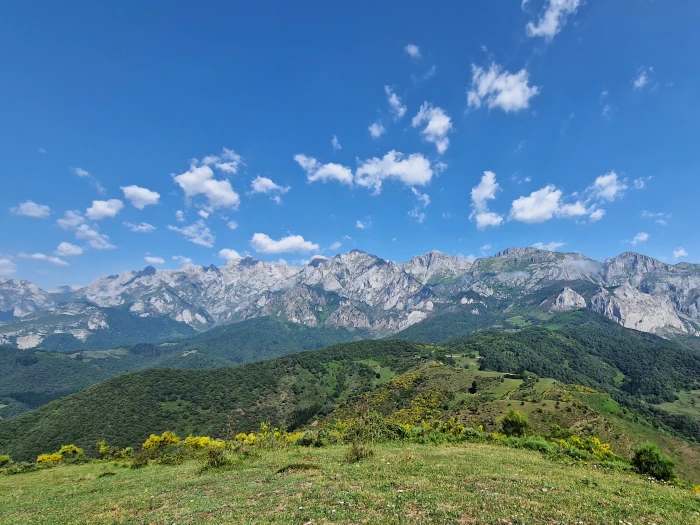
104,209
95,239
7,267
414,170
140,197
412,50
180,216
199,180
539,206
232,225
83,174
363,225
641,183
608,187
335,246
229,254
482,193
415,213
500,89
197,233
659,218
577,209
679,252
550,247
376,129
43,257
182,259
268,187
143,227
397,108
203,214
336,143
438,125
71,220
292,243
154,260
315,171
66,249
228,161
32,209
642,78
596,215
423,198
640,237
553,19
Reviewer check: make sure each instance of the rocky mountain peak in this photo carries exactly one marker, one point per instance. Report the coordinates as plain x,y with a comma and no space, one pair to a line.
515,252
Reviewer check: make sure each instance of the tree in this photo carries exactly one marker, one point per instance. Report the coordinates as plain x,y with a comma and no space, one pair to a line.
514,424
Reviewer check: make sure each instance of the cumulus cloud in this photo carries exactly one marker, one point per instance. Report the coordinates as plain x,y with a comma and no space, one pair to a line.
43,257
140,197
553,19
596,215
315,171
639,238
199,180
180,216
482,193
679,252
423,198
500,89
576,209
539,206
397,108
71,220
81,172
7,267
641,183
376,129
232,225
154,260
608,187
363,225
438,125
197,233
642,78
203,214
104,209
336,143
550,247
659,218
31,209
229,254
66,249
182,259
262,243
414,170
95,239
143,227
335,246
412,50
228,161
268,187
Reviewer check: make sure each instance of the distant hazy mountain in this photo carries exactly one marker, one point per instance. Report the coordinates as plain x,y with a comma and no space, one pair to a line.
356,290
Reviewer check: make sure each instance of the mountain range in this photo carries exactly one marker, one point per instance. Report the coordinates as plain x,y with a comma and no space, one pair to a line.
355,290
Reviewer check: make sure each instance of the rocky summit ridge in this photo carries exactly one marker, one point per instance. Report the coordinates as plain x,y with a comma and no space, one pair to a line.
357,290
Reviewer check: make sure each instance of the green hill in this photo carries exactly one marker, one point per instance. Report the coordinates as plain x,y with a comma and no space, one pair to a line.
31,378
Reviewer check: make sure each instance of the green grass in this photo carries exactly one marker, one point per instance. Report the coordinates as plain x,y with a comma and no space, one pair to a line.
475,483
688,403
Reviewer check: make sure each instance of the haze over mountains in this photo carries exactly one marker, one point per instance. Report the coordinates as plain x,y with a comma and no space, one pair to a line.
355,290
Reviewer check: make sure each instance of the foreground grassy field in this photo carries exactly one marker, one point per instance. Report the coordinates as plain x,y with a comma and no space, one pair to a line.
472,483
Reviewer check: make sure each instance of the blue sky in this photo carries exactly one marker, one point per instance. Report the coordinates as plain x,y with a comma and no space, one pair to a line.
464,127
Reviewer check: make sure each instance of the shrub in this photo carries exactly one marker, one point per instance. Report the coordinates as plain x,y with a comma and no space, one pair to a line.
71,454
21,468
139,461
5,461
648,459
216,457
514,424
358,452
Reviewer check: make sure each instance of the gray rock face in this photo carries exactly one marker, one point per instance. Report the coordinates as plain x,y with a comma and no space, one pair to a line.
357,290
634,309
568,300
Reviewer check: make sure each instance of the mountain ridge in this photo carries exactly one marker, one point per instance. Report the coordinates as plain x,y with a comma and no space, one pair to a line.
356,290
